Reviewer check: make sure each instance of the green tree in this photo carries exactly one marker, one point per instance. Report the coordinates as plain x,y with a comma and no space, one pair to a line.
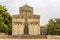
5,21
53,27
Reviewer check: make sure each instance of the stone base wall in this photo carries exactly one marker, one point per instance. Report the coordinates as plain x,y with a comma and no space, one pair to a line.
3,35
53,37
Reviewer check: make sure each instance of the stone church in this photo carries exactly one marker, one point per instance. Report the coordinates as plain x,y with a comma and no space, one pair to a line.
26,22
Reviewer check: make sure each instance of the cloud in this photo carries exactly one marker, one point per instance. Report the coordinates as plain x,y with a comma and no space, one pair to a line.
47,9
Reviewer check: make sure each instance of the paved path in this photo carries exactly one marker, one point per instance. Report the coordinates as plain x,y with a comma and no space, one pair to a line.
29,39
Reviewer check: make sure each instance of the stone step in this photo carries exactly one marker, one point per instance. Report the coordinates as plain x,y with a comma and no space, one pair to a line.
33,36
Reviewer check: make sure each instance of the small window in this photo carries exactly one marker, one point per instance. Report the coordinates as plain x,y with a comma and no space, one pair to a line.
29,10
22,11
25,10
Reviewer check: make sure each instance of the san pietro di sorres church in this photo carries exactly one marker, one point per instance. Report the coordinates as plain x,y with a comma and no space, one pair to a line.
26,23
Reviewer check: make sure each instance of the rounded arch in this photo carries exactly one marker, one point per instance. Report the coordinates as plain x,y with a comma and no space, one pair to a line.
26,29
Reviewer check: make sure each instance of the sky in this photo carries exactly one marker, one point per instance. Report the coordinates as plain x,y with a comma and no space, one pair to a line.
47,9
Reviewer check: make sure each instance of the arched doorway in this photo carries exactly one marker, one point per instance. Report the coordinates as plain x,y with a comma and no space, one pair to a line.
26,30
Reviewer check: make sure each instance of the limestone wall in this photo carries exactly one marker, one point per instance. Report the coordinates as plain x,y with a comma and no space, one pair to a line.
15,30
34,29
21,29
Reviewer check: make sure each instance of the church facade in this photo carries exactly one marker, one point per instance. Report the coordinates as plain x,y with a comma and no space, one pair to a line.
26,22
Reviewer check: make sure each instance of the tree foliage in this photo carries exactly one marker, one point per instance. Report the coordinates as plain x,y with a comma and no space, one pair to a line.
5,21
53,27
